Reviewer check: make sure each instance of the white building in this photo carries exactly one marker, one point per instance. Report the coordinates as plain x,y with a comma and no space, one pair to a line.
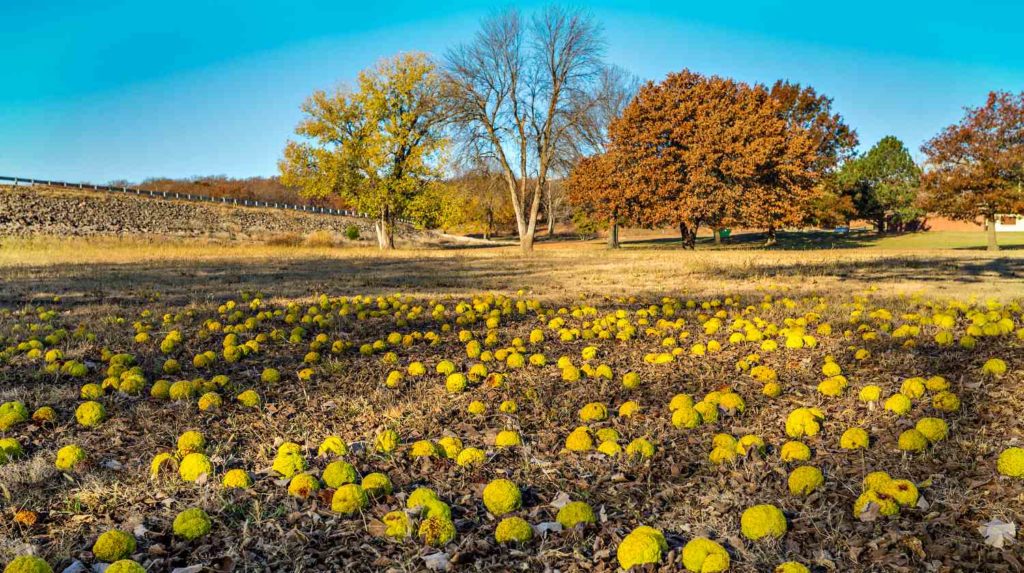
1010,223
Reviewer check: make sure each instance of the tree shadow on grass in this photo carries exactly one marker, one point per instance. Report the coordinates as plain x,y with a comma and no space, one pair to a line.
197,281
820,240
786,241
893,269
983,249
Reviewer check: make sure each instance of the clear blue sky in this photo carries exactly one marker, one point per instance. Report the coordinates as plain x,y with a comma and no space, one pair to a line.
97,91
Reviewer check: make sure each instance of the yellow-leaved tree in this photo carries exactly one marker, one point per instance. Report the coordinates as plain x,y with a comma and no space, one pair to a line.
378,145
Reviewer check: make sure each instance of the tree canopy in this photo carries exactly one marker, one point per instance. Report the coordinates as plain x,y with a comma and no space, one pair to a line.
883,185
599,193
975,168
530,97
695,150
378,145
803,108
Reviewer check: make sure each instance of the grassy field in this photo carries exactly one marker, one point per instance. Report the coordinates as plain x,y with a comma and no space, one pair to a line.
959,240
820,240
731,350
186,271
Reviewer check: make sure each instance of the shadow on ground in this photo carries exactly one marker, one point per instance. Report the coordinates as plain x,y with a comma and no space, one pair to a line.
555,275
801,241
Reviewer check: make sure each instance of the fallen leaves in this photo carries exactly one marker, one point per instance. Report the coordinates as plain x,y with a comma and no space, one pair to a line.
25,517
437,561
998,533
676,490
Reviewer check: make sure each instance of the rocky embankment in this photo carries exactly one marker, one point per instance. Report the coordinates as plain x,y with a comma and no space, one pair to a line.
29,211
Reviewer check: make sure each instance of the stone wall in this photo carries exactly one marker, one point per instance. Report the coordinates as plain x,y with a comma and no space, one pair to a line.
28,211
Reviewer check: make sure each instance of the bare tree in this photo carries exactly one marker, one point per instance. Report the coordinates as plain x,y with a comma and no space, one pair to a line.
554,200
516,92
613,91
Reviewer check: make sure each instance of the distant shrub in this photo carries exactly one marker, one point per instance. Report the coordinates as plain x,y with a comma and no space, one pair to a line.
319,239
352,233
586,227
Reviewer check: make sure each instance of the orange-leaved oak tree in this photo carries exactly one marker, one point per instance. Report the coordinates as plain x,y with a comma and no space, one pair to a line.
805,188
705,150
975,168
589,189
595,186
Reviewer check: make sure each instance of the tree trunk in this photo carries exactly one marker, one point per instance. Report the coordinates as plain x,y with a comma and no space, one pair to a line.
526,243
528,227
489,225
385,231
880,223
991,232
613,234
718,236
688,236
771,240
522,232
517,189
549,209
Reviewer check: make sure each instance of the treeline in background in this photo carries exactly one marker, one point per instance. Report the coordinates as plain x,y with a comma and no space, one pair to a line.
526,126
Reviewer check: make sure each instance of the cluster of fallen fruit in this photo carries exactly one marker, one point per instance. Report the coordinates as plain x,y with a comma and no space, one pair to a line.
671,332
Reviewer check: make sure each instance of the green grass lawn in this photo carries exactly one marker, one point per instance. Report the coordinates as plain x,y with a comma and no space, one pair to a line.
948,240
802,240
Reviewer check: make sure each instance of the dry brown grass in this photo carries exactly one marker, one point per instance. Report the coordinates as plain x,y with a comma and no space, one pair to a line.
47,266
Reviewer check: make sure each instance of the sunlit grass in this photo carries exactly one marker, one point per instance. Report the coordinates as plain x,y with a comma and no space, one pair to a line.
900,264
948,240
46,251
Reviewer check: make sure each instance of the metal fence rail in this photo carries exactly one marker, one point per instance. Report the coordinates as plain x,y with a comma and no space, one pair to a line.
16,181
